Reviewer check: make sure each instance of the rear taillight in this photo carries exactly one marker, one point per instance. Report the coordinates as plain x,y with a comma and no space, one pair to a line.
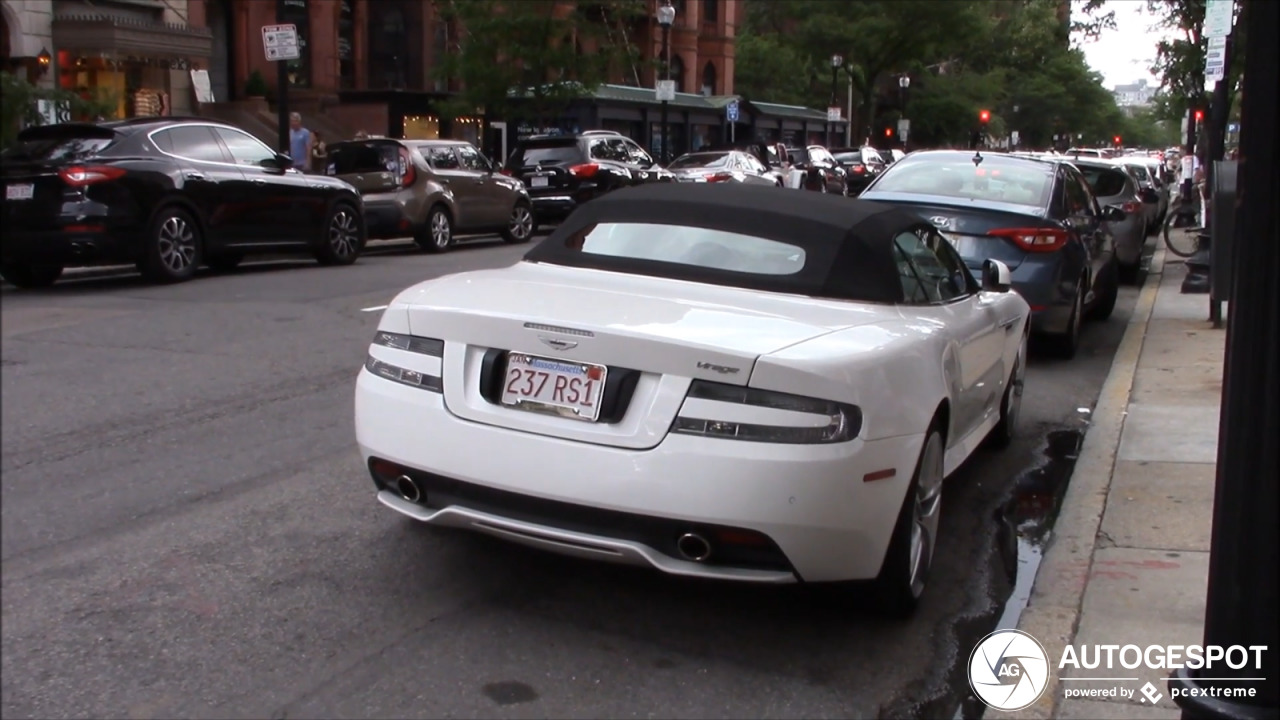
506,172
80,175
720,177
731,412
1132,207
859,169
408,173
1037,240
585,170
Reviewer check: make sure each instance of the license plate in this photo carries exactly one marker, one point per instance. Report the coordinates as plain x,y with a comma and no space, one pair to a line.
966,246
558,387
20,192
537,182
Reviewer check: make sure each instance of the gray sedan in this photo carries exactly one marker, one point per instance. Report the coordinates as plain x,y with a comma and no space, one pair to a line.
1114,186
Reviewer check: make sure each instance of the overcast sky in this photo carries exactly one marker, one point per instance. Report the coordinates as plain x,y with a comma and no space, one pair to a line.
1125,55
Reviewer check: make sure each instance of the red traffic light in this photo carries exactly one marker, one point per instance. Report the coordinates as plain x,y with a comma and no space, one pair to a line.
1116,139
888,132
1199,115
984,116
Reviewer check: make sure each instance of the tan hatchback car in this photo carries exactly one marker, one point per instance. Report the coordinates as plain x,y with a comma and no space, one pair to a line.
432,190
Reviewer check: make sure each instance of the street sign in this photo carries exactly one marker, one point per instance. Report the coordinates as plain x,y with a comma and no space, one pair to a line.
904,126
731,111
1013,137
1218,18
1215,61
280,42
666,90
834,114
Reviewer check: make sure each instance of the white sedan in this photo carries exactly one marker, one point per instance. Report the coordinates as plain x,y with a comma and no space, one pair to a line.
705,380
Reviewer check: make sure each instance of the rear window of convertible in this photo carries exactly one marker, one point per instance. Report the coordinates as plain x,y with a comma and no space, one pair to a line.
690,246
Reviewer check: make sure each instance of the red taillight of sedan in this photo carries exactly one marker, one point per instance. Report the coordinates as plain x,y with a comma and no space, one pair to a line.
80,175
585,170
720,177
1036,240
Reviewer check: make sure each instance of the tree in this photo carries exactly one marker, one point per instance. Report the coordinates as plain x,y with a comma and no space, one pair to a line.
20,105
770,70
528,59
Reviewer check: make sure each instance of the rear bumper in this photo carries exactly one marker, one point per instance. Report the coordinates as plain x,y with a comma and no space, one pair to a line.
810,501
386,219
553,207
72,247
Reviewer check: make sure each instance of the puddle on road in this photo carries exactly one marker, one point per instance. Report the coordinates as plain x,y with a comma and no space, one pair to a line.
1023,528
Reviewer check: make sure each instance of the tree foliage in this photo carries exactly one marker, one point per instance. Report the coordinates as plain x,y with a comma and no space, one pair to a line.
1180,59
527,59
1011,57
20,105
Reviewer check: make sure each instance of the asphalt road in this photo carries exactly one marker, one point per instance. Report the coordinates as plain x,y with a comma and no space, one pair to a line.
188,531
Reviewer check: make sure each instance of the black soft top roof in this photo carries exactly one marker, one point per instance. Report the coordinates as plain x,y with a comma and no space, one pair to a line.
848,243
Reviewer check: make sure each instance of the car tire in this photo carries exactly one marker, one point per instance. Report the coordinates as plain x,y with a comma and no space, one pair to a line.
343,238
522,225
1104,305
30,275
174,246
1011,402
437,236
904,575
1066,344
224,261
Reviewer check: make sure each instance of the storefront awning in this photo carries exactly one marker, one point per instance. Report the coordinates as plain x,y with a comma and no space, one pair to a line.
791,112
109,33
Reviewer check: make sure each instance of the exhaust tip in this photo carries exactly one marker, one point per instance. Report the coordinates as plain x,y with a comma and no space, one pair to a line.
694,548
408,489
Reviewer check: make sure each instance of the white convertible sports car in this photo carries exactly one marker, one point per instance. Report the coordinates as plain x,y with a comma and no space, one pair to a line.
714,381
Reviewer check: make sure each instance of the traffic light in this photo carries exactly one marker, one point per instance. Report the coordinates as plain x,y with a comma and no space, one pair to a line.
888,132
1116,140
1199,115
984,116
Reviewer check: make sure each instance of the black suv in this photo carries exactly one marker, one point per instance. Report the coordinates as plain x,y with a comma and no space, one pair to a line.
565,171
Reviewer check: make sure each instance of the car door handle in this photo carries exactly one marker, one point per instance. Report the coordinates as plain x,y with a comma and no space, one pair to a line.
195,176
259,181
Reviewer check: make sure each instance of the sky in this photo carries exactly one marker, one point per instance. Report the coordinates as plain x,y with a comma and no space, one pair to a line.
1124,55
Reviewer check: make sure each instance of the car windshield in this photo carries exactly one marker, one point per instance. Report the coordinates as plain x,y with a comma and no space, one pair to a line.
849,157
1106,182
700,160
995,179
869,155
695,246
550,154
58,146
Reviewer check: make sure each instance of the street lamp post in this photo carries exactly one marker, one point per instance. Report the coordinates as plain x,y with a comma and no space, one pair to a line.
666,16
904,82
837,62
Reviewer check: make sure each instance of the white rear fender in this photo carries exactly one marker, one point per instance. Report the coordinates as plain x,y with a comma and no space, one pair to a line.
888,370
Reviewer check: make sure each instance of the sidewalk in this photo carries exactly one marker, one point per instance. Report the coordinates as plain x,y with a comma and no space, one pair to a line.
1129,558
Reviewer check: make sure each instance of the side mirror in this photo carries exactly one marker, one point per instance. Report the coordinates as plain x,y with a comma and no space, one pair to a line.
281,161
1111,213
996,277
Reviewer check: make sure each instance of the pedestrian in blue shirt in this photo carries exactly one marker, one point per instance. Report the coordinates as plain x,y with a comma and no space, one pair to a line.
301,143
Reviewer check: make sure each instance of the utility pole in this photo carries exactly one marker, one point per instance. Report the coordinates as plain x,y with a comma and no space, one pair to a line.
282,87
1244,587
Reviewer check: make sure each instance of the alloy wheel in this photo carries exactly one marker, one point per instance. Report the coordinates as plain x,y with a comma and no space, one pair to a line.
925,512
441,233
344,233
177,245
521,223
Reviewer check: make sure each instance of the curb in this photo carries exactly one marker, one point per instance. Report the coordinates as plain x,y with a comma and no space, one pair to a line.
1052,615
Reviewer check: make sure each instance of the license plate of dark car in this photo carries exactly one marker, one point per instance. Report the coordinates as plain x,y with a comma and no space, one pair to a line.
19,192
538,182
558,387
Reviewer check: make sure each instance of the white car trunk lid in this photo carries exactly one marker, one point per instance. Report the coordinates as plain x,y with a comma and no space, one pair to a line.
653,336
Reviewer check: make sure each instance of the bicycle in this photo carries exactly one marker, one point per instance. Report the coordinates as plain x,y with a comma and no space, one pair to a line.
1181,231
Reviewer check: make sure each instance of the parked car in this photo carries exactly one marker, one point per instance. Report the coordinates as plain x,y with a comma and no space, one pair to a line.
1038,216
674,362
562,172
167,194
432,190
821,171
861,166
1147,171
1114,186
723,166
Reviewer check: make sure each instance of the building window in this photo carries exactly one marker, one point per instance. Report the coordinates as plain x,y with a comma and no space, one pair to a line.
677,72
395,45
347,45
298,13
709,79
710,11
